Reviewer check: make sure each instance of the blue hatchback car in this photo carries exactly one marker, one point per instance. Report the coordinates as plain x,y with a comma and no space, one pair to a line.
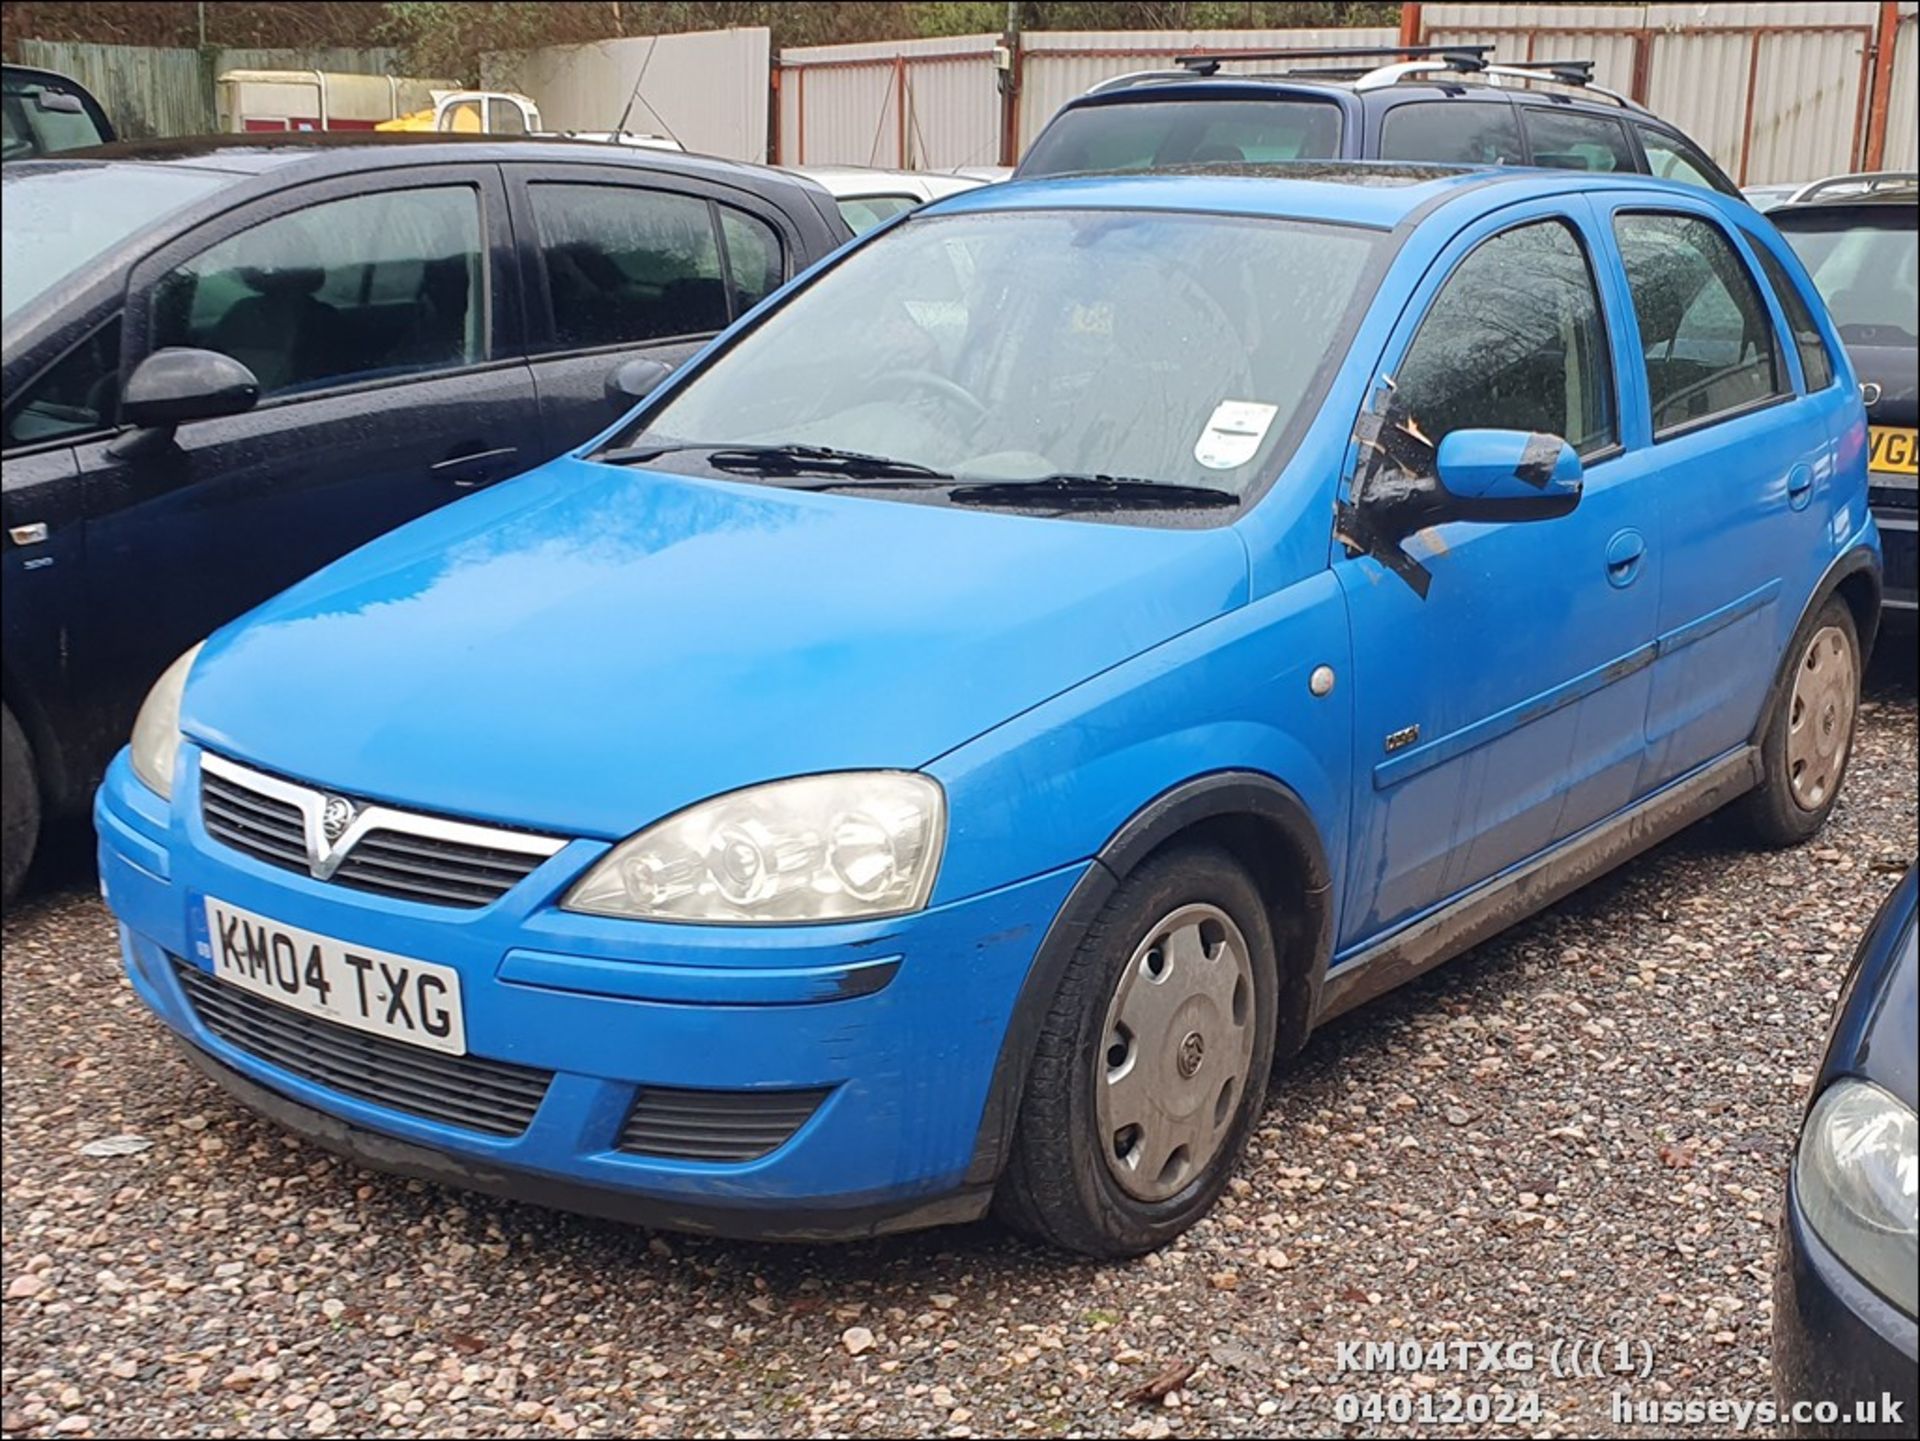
944,746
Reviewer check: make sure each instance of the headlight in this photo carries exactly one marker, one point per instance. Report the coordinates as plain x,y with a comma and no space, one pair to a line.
1858,1174
817,848
156,732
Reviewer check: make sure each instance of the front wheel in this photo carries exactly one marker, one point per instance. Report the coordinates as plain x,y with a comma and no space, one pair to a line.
1809,736
1152,1064
19,804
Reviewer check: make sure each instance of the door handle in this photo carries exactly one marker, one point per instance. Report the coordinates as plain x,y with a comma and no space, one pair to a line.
1624,553
1799,487
473,466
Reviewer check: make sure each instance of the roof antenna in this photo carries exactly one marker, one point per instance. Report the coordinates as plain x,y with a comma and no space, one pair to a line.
638,80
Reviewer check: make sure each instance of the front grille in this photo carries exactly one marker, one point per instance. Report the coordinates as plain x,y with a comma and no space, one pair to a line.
466,1091
398,857
1893,497
715,1125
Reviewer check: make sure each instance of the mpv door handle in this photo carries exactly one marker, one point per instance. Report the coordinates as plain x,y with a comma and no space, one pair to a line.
1624,553
1799,486
473,466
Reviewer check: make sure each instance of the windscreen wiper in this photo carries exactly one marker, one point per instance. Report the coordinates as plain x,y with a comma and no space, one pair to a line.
1092,492
775,460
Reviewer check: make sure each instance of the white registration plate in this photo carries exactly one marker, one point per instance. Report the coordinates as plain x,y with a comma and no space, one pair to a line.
374,991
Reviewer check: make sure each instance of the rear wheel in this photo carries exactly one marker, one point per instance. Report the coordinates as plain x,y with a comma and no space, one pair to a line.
19,804
1152,1063
1809,736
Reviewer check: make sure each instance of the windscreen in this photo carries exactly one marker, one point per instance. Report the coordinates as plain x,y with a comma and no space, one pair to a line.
1140,135
1169,347
1864,267
61,216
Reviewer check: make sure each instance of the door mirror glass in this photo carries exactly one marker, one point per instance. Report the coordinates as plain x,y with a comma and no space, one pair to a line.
634,380
172,387
1506,475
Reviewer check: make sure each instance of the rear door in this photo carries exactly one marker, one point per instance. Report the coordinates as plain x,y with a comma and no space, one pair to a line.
379,313
1743,470
626,264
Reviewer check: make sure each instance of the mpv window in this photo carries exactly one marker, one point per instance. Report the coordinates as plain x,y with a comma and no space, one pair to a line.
1514,341
60,216
1671,158
347,290
1708,341
1814,360
1464,132
626,265
1566,140
1138,135
1167,347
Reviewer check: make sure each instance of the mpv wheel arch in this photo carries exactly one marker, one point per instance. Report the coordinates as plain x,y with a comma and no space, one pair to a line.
1269,829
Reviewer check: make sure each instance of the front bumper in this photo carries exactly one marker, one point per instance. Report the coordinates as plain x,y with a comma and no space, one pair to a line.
1837,1340
616,1008
1892,500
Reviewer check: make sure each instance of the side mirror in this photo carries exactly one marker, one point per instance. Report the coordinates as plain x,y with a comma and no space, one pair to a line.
173,386
1505,475
633,380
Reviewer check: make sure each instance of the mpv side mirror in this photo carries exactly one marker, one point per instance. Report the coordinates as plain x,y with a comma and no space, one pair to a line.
179,384
1506,475
634,380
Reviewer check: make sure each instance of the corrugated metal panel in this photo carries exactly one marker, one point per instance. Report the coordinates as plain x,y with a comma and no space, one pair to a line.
841,104
1903,111
1061,64
707,89
146,91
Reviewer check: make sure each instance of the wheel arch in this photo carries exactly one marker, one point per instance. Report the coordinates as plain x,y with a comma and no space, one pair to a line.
1265,825
1855,577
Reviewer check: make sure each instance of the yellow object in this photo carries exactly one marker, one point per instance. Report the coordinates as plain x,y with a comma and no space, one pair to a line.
418,120
1892,450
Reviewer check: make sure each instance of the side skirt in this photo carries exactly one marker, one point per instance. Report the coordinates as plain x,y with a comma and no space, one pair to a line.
1507,899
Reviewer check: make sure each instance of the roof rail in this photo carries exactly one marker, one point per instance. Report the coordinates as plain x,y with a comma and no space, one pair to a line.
1209,64
1867,181
1575,73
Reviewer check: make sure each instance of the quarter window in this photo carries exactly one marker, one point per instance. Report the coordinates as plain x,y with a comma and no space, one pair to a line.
79,392
754,259
626,265
1671,158
1564,140
1704,329
1465,132
375,285
1514,341
1814,360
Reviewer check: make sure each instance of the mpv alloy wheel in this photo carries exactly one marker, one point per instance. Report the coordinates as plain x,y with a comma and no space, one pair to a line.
1152,1063
1809,734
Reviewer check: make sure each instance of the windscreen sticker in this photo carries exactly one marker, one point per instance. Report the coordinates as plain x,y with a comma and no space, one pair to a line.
1233,433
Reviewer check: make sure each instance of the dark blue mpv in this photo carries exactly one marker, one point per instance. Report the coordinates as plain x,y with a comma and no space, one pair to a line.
1008,689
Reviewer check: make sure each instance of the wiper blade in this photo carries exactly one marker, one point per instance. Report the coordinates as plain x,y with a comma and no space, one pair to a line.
786,460
1093,492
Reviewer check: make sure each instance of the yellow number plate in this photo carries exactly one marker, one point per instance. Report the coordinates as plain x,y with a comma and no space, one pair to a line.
1892,450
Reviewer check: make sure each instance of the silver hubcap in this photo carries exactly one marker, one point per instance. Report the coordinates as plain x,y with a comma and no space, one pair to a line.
1820,722
1177,1044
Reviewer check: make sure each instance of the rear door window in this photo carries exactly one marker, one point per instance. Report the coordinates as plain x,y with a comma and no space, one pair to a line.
625,264
346,290
1704,330
1569,140
1465,132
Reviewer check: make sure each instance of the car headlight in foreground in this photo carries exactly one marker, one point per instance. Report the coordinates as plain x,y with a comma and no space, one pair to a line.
156,731
851,846
1858,1175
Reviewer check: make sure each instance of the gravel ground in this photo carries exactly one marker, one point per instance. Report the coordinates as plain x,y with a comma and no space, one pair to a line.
1578,1132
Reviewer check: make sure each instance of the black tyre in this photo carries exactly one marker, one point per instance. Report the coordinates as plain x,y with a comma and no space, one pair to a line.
1152,1064
1809,736
19,805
